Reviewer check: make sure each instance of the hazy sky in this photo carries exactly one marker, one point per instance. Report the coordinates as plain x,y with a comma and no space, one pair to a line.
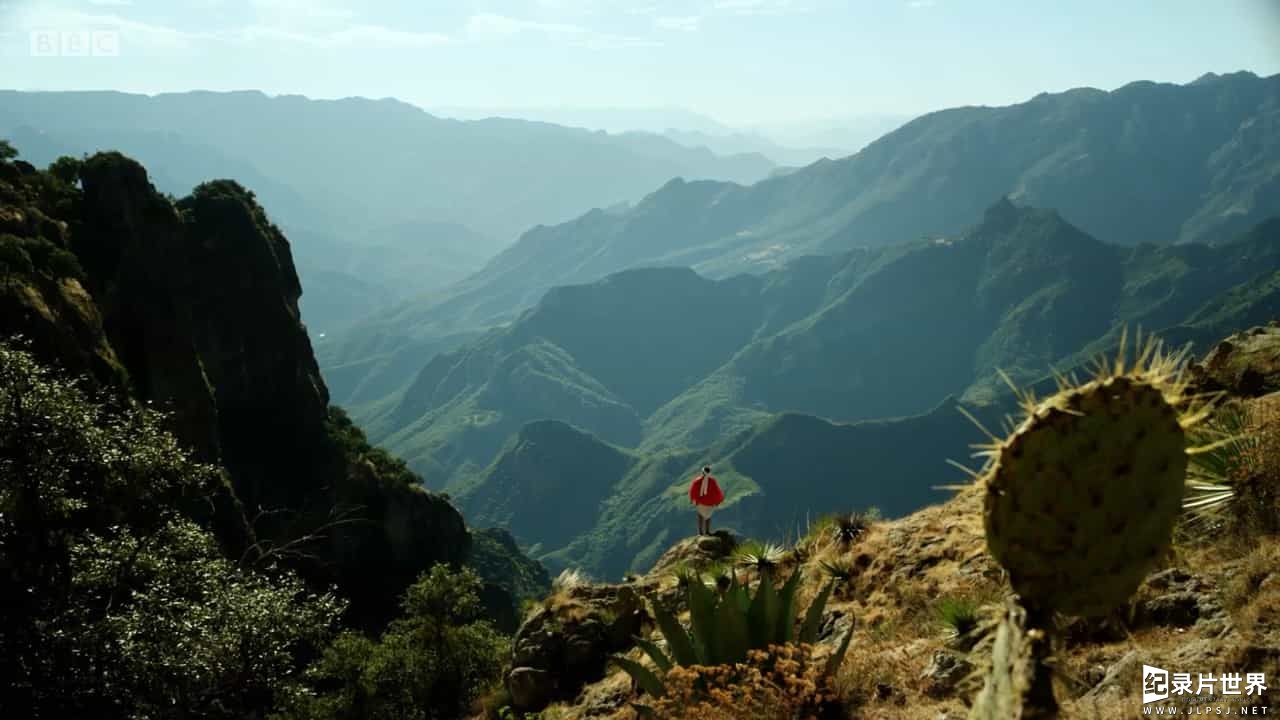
739,61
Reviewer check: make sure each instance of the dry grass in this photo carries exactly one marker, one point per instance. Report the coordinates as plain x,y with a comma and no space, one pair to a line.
1252,593
781,682
897,574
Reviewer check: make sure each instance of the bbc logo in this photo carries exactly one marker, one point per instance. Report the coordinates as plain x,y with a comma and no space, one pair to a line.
75,43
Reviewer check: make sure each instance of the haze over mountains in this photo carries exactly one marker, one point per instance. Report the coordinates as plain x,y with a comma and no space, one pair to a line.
758,373
379,179
810,332
1157,163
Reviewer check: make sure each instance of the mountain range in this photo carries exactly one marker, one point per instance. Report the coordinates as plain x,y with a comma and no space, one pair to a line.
379,179
813,335
569,425
1148,163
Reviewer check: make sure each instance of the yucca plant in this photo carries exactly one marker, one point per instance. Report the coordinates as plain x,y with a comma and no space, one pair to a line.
1222,480
958,616
762,557
849,527
720,576
725,627
840,569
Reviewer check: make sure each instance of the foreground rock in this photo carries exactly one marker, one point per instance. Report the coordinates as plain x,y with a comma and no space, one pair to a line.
566,644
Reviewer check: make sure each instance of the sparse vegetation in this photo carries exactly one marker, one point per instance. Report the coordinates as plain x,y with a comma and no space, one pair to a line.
786,681
762,557
725,627
432,663
958,616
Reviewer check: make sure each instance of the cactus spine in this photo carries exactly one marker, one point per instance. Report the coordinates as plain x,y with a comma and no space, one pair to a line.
1081,499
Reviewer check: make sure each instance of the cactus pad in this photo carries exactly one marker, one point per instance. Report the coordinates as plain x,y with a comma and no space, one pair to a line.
1082,497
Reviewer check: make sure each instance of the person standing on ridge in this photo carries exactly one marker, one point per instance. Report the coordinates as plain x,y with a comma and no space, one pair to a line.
705,494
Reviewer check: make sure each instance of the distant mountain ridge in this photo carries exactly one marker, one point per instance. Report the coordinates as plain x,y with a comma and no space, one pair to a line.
1147,163
392,160
661,359
794,421
358,176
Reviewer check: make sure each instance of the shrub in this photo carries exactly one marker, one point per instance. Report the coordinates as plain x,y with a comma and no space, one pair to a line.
781,681
432,663
117,605
959,616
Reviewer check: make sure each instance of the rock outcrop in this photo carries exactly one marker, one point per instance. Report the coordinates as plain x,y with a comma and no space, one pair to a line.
1247,364
566,644
193,306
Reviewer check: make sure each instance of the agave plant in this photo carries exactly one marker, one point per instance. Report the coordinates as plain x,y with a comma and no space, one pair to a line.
725,627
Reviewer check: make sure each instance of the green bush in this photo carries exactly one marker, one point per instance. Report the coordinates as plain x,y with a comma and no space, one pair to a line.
118,605
25,256
432,663
351,439
14,259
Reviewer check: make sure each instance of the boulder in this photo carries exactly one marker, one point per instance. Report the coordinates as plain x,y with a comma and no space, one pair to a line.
570,640
944,672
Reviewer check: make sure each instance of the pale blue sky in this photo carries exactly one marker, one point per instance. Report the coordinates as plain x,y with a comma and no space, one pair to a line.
739,61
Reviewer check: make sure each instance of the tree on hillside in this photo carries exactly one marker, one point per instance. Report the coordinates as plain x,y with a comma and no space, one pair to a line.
7,151
117,604
430,664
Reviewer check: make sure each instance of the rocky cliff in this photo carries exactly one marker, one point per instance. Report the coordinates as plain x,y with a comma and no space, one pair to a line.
192,305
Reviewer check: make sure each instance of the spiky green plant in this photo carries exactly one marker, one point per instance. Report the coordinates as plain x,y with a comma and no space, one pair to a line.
1222,482
850,527
719,575
1081,499
841,569
763,557
1083,494
683,572
723,628
958,616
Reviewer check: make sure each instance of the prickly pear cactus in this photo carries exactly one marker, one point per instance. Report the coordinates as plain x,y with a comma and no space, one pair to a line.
1082,497
1019,683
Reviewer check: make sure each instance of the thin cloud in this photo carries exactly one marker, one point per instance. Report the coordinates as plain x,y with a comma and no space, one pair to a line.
759,7
486,26
111,3
921,4
132,32
678,24
361,36
140,34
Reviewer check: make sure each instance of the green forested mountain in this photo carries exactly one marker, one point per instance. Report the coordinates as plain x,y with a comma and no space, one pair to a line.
581,502
650,372
665,358
1147,163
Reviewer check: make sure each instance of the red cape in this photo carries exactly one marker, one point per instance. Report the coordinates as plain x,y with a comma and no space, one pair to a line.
713,497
